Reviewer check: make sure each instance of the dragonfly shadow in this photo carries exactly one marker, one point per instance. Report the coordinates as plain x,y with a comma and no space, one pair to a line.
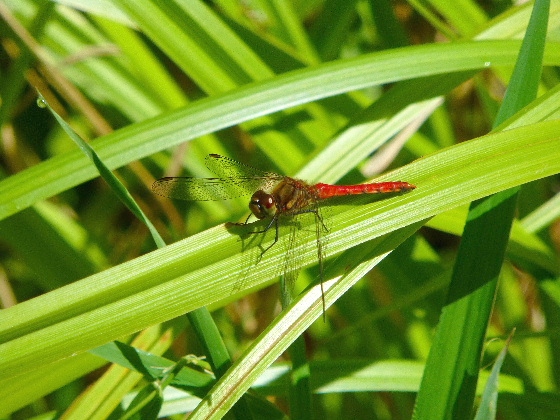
243,231
256,234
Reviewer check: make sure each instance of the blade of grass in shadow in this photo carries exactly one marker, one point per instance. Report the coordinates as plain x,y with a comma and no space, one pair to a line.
449,382
299,384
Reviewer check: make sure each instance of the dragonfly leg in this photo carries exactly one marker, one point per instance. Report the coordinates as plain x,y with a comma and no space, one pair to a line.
320,219
273,221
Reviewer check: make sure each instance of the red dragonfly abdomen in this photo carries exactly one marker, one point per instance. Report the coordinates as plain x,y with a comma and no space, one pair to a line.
328,190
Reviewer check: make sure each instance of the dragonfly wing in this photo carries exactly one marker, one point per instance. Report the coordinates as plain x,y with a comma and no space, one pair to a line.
206,189
225,167
235,180
293,255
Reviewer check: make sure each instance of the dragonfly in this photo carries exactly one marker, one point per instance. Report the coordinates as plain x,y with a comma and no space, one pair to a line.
273,196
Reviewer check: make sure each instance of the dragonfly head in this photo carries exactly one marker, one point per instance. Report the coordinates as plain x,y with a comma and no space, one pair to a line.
262,205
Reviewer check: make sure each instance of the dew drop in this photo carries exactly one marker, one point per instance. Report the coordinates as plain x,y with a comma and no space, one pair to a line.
41,103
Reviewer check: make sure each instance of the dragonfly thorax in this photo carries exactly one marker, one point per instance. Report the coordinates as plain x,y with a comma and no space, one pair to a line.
262,204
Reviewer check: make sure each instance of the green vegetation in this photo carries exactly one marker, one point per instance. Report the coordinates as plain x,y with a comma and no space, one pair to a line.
443,302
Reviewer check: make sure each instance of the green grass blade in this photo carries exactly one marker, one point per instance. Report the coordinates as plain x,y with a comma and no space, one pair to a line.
142,139
449,382
292,323
118,188
300,392
489,402
205,268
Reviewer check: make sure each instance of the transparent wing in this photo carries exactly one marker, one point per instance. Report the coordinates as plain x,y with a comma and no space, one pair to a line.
206,189
294,251
225,167
236,180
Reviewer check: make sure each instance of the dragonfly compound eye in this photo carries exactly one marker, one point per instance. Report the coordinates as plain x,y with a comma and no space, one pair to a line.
262,205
